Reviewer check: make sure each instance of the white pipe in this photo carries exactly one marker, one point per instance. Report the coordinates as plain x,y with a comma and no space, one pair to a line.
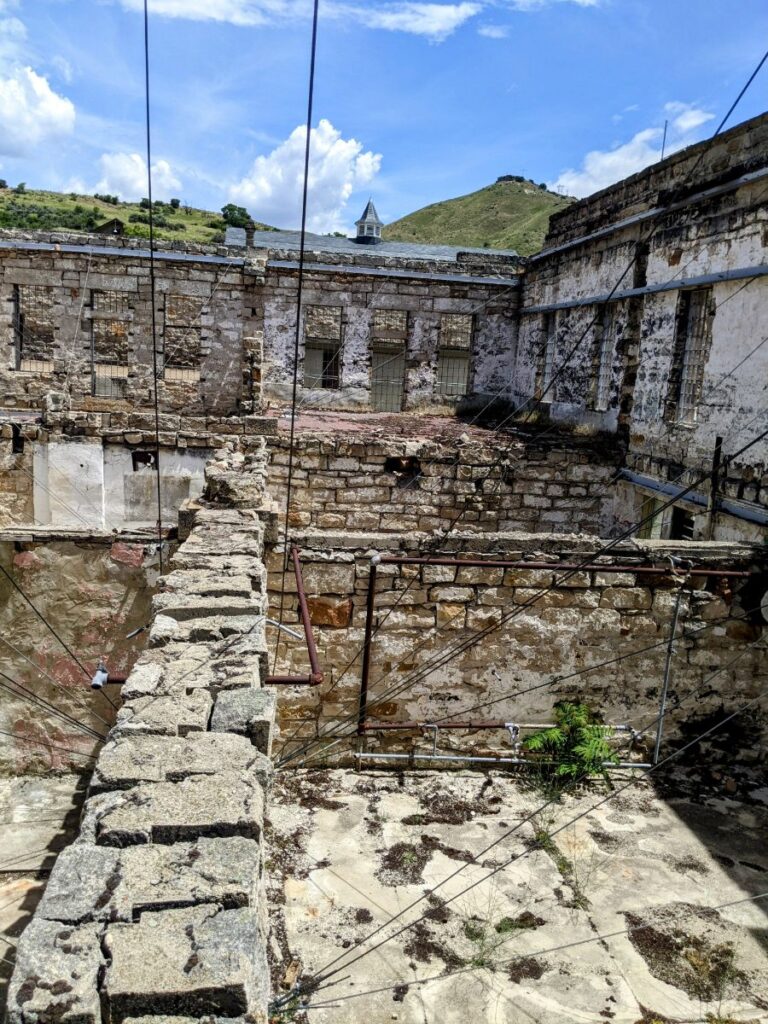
485,760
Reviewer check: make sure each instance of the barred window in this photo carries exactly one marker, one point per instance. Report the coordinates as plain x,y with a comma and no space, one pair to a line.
322,347
182,338
34,327
651,516
605,339
110,322
454,354
693,339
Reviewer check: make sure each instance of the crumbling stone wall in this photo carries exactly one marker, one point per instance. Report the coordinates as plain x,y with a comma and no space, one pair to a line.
158,908
397,486
76,316
710,245
423,297
589,620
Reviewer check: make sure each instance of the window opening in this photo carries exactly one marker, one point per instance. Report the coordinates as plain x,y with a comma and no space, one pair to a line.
142,459
651,527
453,357
17,440
182,339
33,327
693,338
322,347
110,324
682,524
388,346
604,334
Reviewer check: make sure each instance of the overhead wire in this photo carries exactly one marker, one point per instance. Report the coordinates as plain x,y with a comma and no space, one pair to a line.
24,693
152,289
299,293
48,746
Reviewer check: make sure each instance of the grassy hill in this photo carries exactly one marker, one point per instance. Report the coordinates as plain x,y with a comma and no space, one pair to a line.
51,211
512,214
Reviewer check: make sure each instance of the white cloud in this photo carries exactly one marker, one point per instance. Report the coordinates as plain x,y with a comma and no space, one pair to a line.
63,66
601,168
493,31
125,175
31,112
13,34
535,5
434,21
272,188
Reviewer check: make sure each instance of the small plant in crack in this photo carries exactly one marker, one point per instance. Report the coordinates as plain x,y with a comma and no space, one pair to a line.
576,747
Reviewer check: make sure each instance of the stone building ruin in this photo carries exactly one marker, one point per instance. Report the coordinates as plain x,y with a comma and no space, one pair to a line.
304,729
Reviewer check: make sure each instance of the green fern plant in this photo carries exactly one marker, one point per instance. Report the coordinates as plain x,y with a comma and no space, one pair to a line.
577,745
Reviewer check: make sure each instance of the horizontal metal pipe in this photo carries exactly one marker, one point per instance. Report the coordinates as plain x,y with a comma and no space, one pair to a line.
479,724
486,760
480,563
289,681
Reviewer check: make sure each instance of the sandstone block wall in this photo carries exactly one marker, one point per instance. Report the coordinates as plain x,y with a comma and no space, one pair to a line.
590,619
345,483
86,302
157,909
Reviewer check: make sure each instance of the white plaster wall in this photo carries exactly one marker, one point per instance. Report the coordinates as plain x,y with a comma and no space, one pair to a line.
69,484
131,495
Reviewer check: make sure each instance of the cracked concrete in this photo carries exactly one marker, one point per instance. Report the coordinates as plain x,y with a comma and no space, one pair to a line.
348,851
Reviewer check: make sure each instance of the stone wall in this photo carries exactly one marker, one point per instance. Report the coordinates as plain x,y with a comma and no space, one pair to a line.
76,317
592,617
157,908
398,486
605,316
422,299
93,595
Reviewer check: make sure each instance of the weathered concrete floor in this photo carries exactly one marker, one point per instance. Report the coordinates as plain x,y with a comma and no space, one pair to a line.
349,850
39,816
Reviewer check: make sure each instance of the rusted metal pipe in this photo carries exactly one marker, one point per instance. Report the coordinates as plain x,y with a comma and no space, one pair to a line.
361,715
480,563
316,676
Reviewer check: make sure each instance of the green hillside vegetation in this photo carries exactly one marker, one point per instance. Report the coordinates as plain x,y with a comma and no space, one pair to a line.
35,210
511,214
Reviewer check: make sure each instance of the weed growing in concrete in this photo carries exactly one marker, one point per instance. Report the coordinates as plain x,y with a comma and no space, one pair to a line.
577,745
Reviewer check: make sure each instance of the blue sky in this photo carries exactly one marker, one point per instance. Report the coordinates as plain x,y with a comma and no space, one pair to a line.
415,101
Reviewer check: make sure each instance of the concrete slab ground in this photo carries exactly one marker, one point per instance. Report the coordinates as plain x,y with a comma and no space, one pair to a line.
348,851
39,816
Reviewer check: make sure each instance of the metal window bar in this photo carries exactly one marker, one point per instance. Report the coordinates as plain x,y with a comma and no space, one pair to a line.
453,372
605,337
321,365
182,339
33,316
387,377
651,527
697,327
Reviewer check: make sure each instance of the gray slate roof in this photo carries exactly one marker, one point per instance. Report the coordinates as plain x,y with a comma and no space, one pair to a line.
370,216
347,246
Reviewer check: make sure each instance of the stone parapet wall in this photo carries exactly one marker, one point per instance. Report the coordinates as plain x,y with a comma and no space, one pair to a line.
587,621
353,483
158,906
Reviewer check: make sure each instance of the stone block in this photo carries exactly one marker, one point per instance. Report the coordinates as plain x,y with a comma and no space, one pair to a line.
325,611
614,579
208,584
200,806
83,887
452,594
127,761
473,574
177,715
189,962
248,713
183,607
57,975
626,598
451,616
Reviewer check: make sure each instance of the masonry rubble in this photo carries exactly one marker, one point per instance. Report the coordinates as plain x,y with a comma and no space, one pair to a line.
158,906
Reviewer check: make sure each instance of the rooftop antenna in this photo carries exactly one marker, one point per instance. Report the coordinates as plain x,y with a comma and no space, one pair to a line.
664,140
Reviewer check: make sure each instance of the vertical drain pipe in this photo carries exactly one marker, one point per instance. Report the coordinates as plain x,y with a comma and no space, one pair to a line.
667,672
361,713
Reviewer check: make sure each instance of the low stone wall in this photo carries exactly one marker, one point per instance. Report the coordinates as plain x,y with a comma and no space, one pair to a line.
361,483
522,667
157,908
